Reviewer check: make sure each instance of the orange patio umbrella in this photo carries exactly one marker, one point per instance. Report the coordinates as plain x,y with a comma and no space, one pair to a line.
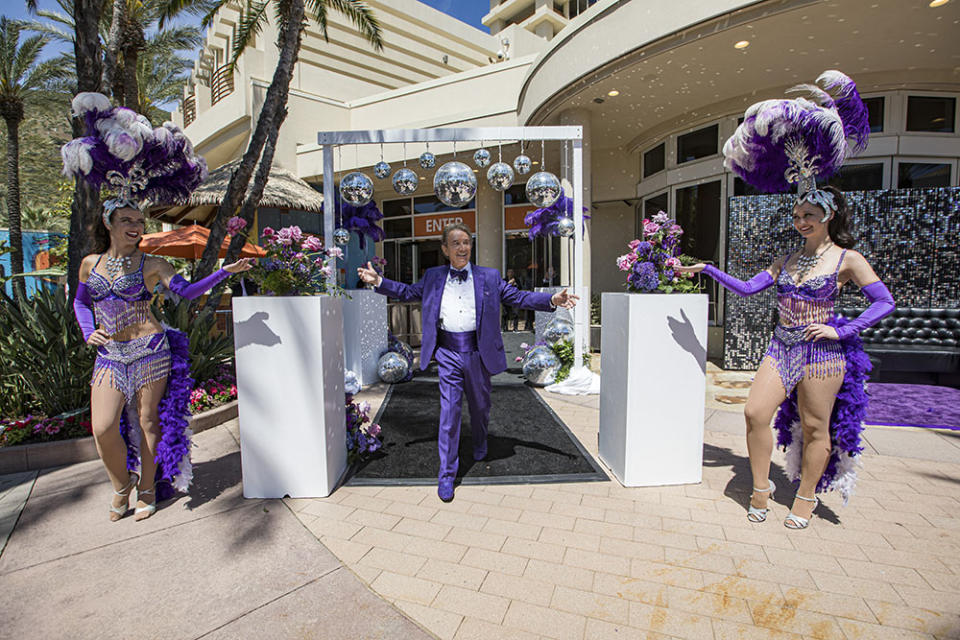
189,242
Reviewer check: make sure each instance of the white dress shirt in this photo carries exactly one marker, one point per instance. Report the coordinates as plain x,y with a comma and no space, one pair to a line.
458,306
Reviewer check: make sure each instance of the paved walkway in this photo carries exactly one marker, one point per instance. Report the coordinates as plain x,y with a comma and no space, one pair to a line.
211,565
586,561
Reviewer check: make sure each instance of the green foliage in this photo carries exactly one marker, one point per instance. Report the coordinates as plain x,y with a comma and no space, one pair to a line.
564,352
209,352
45,365
595,308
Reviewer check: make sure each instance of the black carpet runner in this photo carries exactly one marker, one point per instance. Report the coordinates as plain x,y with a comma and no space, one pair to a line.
526,441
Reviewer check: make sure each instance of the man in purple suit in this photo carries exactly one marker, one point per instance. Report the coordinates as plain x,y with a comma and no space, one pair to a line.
461,329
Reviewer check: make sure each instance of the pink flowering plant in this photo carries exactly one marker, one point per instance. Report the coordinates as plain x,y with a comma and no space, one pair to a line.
14,431
651,263
363,438
214,392
296,264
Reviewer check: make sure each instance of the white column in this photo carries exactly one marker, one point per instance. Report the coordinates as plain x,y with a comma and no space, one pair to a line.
581,280
489,249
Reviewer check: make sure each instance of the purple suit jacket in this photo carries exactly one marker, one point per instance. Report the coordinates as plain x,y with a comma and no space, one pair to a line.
490,289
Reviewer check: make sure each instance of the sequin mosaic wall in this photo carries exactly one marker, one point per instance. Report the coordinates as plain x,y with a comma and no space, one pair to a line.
911,237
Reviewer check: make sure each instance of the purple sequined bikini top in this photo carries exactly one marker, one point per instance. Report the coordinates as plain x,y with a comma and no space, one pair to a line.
810,302
121,303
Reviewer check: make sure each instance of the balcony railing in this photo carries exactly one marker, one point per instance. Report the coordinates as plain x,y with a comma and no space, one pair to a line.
189,109
221,84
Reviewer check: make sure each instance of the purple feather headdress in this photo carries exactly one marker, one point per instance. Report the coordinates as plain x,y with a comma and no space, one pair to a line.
123,151
362,220
543,222
783,142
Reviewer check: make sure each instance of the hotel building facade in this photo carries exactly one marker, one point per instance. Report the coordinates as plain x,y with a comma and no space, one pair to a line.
657,87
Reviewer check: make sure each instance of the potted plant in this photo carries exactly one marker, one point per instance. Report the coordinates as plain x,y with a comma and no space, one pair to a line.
289,361
654,364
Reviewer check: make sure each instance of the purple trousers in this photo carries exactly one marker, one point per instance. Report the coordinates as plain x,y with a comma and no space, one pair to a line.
461,370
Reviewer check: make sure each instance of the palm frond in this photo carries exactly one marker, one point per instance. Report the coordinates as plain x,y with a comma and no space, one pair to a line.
250,25
52,29
27,56
360,15
183,38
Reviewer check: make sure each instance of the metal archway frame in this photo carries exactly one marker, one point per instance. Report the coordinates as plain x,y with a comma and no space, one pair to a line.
331,139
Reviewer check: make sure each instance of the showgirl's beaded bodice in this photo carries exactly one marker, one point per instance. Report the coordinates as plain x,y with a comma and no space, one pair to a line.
810,302
122,303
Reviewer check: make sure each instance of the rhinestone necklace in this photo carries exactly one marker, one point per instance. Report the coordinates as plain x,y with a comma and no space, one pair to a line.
117,265
806,263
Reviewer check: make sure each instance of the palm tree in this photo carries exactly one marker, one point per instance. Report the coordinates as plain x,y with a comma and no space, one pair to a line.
22,76
291,17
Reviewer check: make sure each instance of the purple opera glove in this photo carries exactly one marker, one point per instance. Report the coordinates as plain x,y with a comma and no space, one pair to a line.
881,305
191,290
756,284
83,311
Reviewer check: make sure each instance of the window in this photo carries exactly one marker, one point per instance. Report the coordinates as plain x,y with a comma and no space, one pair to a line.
397,228
859,177
913,175
394,208
930,114
698,212
654,160
697,144
875,113
517,194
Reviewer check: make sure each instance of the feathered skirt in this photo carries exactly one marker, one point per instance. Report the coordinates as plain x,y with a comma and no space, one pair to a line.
128,366
846,421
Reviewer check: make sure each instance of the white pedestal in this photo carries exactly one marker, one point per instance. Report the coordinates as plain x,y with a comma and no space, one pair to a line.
654,350
365,333
290,392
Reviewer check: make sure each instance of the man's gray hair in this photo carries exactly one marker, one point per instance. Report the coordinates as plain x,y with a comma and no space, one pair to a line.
455,226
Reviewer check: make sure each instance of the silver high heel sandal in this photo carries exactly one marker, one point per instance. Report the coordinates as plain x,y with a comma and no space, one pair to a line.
116,513
796,522
759,515
142,513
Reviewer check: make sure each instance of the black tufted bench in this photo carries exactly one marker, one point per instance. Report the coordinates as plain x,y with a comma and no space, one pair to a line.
914,345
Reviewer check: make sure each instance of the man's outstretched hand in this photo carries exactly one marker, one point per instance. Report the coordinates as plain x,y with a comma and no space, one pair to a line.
368,274
564,299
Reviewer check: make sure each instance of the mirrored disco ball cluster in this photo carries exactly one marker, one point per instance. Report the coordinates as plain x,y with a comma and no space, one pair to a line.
543,189
405,181
392,367
540,366
356,188
381,169
500,176
351,384
341,236
455,184
558,330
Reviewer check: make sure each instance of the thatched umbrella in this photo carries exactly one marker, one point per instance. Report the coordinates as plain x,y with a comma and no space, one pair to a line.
283,191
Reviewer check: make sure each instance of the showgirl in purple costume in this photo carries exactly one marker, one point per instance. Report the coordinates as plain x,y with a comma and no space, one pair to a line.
814,371
141,381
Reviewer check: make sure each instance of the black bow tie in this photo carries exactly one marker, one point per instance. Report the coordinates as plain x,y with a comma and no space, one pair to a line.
459,274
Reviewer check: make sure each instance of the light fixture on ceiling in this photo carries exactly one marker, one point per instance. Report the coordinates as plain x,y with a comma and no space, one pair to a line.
938,3
743,44
613,93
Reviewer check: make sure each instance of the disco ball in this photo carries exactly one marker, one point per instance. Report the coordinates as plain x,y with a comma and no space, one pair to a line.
540,366
381,169
428,160
405,181
558,330
392,367
356,189
521,164
350,383
543,189
399,346
341,236
455,184
565,227
481,158
500,176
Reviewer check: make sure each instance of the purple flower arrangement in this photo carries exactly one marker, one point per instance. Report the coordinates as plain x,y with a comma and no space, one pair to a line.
651,262
296,263
362,438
